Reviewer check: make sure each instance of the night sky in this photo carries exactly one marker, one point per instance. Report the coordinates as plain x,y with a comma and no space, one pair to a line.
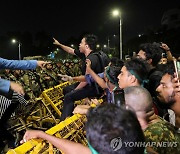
70,18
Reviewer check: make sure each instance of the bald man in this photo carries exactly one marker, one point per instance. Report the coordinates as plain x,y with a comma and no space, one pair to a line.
156,129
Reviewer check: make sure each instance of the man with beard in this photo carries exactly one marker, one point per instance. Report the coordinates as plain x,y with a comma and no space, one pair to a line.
165,90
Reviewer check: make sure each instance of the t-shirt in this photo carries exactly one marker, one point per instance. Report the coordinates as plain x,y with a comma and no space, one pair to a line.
83,60
95,63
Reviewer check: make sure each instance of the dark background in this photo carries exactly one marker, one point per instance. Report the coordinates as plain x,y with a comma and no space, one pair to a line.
34,23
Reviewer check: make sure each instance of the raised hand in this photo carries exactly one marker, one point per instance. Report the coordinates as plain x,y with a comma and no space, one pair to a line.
56,42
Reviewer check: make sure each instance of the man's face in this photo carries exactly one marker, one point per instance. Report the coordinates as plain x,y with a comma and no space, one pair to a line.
165,89
124,78
82,45
141,54
49,66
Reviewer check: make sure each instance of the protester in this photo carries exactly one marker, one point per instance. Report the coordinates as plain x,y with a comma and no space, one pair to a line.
82,90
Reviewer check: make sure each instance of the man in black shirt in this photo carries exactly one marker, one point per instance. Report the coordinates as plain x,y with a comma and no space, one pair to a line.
86,47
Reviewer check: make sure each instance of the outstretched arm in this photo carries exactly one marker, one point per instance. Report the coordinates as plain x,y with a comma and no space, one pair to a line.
17,64
79,78
20,64
68,147
64,47
70,78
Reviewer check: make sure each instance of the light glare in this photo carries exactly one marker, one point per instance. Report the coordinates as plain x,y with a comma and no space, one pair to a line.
115,13
13,41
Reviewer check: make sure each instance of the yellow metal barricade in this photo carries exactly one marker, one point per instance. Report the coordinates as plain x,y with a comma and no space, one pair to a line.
53,97
47,108
72,128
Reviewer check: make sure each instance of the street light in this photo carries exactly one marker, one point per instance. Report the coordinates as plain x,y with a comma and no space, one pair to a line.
97,46
19,47
117,13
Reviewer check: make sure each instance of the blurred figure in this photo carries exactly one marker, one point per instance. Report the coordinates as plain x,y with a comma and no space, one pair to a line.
150,52
49,77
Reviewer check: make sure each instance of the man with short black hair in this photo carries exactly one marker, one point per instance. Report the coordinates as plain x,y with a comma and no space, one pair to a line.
82,90
150,52
133,73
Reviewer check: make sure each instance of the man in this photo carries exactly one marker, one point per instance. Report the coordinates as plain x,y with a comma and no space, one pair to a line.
104,133
156,130
79,54
151,52
49,77
167,93
133,73
82,90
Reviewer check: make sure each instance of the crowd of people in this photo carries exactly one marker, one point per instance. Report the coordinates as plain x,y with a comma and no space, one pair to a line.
141,98
37,80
